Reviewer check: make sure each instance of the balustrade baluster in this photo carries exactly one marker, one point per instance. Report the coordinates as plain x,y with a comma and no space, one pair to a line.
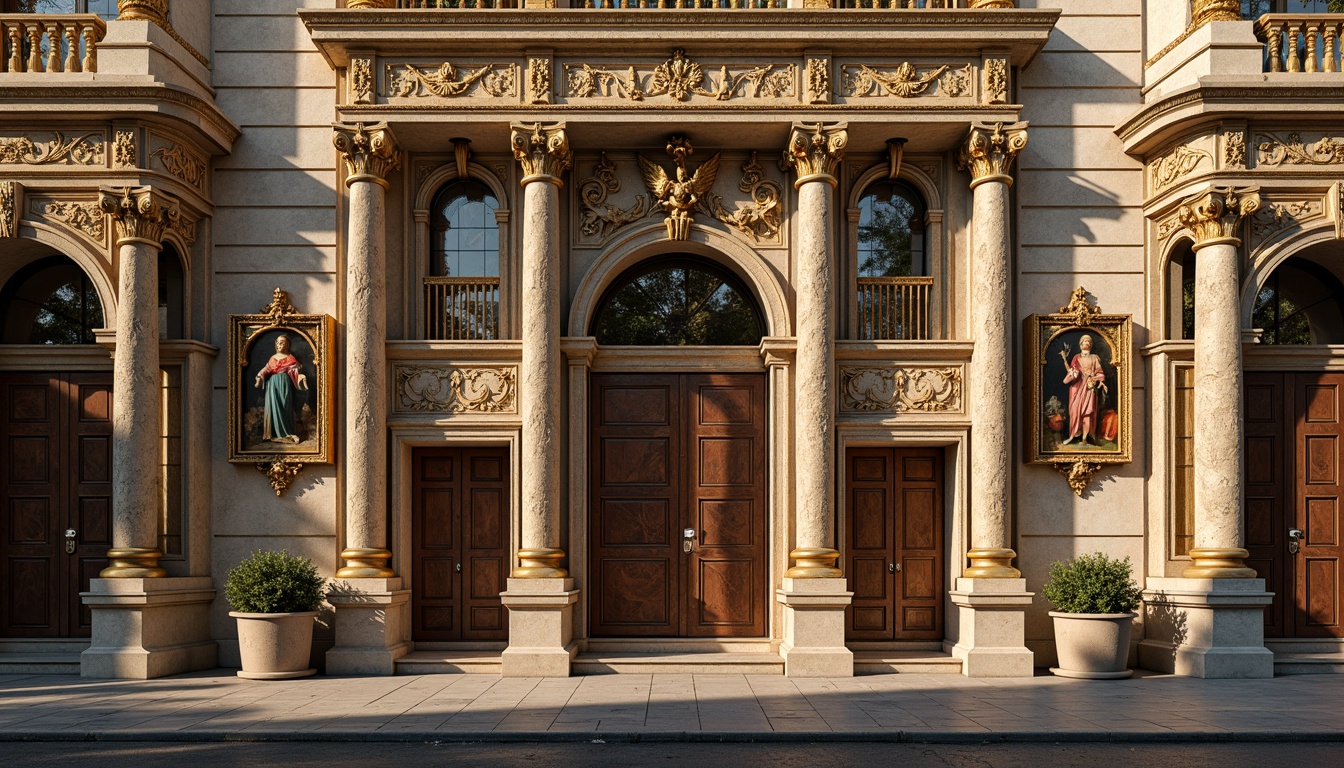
1312,29
1330,32
34,47
1294,48
53,47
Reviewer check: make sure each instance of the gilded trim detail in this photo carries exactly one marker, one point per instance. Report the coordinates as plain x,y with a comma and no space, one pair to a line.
81,150
901,389
453,389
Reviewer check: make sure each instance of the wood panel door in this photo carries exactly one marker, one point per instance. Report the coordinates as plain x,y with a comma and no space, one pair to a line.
894,543
1268,472
674,453
460,543
55,476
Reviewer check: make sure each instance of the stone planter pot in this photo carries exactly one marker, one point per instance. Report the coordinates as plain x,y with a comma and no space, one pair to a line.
1092,646
275,646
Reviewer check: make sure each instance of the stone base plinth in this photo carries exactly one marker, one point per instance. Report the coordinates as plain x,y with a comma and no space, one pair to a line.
145,628
814,628
1211,628
541,627
992,621
372,626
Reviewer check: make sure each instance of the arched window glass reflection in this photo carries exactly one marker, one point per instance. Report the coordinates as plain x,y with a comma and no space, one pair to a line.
464,233
680,301
1301,303
891,231
50,301
172,298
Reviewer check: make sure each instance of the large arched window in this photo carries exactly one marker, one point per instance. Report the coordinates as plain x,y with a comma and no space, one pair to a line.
1302,302
464,234
50,301
678,301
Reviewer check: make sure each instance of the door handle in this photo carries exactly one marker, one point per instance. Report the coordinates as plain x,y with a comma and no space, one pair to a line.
893,567
1295,536
459,568
687,540
70,535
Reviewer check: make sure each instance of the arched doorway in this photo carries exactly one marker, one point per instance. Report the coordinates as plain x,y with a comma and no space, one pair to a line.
56,438
678,511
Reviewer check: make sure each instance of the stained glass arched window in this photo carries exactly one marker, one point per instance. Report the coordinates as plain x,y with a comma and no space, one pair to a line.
678,301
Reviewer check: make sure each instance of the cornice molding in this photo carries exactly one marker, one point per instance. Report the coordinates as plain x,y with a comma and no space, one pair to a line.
24,96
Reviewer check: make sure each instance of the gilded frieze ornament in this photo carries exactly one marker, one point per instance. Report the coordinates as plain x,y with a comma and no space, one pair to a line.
361,80
989,151
81,150
1215,216
87,218
904,82
992,4
1080,310
599,218
1077,474
182,163
1276,217
370,152
539,80
124,153
956,82
9,208
449,81
679,196
818,81
541,150
900,390
680,78
142,214
371,4
1234,149
996,81
1177,165
1271,150
758,219
280,473
814,150
457,390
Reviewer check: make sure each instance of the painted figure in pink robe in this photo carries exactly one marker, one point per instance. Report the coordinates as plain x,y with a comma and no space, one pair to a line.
282,379
1087,393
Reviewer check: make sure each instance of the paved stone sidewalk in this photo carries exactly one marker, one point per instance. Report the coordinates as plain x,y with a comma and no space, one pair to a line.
217,705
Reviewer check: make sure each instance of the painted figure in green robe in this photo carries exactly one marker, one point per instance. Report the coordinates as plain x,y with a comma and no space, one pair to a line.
282,379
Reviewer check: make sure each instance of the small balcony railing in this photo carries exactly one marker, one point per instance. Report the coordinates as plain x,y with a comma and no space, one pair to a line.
462,308
683,4
894,308
50,42
1300,42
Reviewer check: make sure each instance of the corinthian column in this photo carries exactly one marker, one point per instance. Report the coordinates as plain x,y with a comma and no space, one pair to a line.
1215,220
141,215
370,154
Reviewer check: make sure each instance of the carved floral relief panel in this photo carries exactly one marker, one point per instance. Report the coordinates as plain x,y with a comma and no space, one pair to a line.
54,148
79,215
678,79
906,82
454,389
901,389
451,79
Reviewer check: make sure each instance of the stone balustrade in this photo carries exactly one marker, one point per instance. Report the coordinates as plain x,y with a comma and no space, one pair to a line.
1301,42
705,4
35,43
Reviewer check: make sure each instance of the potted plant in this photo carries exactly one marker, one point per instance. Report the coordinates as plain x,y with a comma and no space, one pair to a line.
274,597
1095,597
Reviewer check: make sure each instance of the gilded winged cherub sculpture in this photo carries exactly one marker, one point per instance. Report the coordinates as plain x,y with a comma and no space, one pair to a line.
681,196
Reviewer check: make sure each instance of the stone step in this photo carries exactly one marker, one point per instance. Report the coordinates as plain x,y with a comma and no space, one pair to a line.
1313,645
1308,663
905,662
676,645
39,663
43,645
727,662
469,662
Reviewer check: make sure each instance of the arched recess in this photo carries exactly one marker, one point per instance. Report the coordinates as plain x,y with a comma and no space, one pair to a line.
38,240
1177,273
1306,271
650,241
1315,239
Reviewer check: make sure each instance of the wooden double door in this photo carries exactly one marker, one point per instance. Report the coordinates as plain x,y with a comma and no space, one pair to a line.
678,506
1293,448
894,543
460,543
55,499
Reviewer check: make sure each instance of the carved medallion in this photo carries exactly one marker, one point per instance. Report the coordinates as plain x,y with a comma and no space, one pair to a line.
457,390
927,390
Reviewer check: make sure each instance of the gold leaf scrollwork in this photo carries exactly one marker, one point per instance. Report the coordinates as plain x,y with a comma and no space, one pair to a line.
818,81
448,81
180,162
85,217
1271,150
81,150
1234,149
1080,311
680,78
926,390
457,390
905,82
278,311
280,473
599,218
759,219
361,80
1177,165
1078,474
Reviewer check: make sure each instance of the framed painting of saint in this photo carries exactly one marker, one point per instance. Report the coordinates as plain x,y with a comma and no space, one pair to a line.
1078,412
280,388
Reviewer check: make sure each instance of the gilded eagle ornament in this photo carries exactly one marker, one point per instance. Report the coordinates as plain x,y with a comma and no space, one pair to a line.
678,197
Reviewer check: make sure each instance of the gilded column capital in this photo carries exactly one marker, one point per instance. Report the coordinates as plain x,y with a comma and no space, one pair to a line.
814,151
1204,11
143,10
542,151
989,151
370,151
142,214
1214,216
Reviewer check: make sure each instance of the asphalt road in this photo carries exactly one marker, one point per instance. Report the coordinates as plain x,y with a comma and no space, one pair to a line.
332,755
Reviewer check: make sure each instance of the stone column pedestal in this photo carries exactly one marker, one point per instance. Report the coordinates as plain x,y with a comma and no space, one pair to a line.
992,622
1212,628
814,628
149,627
373,621
541,627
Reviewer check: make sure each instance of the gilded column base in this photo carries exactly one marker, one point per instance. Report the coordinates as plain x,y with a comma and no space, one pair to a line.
133,563
540,563
365,563
814,563
991,563
1219,563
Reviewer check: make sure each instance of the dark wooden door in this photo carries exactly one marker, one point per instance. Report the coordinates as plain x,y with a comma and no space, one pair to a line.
673,453
1294,439
894,543
459,530
55,475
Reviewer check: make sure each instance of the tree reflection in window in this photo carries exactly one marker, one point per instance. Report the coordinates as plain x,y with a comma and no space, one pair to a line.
50,301
465,237
1301,303
678,302
891,231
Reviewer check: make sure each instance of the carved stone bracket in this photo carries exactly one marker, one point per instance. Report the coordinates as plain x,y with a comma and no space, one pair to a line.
1215,216
10,204
281,474
898,389
814,150
457,390
370,152
989,151
141,214
1078,474
598,218
541,150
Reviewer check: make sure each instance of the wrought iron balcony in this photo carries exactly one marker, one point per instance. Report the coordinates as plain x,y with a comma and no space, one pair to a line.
461,308
894,308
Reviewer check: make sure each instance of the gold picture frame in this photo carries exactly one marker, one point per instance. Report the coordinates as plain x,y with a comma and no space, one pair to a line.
1079,410
280,390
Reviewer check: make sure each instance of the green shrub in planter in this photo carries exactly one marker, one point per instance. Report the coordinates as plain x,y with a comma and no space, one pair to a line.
1093,584
274,582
